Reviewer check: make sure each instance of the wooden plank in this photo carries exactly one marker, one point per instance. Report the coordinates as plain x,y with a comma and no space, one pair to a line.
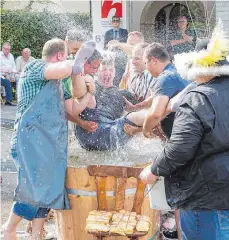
64,224
116,171
81,206
78,178
120,193
101,192
139,197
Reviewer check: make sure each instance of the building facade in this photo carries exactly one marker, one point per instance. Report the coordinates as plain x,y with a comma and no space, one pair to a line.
153,18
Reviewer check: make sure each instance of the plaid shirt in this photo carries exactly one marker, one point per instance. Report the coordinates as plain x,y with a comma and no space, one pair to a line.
30,84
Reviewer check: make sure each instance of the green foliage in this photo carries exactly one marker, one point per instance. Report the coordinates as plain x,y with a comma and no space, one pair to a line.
32,29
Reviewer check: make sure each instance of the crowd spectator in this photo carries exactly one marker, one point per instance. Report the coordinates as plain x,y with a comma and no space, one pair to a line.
116,33
183,39
22,60
7,71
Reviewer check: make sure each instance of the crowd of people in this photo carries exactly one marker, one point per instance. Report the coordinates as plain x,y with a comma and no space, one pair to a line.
110,96
10,70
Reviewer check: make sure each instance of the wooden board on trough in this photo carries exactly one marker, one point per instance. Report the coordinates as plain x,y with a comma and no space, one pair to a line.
117,171
103,234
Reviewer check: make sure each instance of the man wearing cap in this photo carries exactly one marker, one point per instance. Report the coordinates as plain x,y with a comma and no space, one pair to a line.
116,33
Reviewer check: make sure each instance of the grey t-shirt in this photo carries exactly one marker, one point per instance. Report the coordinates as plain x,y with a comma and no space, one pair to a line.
109,105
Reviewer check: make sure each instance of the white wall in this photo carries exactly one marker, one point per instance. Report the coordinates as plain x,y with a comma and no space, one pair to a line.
222,12
70,6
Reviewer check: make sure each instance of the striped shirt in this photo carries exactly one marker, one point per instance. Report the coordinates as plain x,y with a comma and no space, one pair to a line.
140,85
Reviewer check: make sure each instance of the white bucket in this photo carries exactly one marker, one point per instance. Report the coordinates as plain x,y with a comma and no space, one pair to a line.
157,195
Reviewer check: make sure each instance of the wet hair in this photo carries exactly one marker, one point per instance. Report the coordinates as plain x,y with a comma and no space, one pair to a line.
158,51
95,56
76,35
141,46
52,47
108,58
139,34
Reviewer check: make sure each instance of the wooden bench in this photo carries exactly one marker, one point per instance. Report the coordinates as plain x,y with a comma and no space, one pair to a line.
121,174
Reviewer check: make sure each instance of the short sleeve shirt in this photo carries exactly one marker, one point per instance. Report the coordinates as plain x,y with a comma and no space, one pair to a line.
109,105
169,83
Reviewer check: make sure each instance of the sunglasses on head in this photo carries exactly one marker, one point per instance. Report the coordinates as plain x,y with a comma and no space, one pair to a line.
116,20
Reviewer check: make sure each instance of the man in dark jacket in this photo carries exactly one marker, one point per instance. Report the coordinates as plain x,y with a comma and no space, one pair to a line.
195,160
116,33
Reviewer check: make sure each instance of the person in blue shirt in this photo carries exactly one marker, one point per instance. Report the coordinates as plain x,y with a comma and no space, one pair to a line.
168,84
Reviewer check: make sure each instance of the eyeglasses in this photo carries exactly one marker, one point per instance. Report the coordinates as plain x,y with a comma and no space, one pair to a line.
181,21
117,20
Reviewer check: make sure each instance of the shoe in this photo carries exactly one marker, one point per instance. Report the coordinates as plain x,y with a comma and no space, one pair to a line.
10,104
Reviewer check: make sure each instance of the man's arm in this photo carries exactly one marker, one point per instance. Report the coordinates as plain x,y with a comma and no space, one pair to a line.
125,77
177,42
74,107
183,143
89,126
188,129
155,114
59,70
79,87
147,103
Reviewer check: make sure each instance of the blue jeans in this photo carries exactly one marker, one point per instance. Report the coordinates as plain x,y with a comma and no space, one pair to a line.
29,212
7,85
204,225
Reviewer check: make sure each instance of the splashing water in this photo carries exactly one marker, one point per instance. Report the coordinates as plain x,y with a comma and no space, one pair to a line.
138,151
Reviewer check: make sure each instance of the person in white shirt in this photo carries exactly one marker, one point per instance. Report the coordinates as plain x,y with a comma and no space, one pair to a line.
22,60
7,69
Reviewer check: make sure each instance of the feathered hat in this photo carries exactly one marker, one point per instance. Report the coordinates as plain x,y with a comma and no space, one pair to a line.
208,60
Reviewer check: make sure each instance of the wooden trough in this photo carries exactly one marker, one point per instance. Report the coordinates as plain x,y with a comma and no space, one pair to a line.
82,195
